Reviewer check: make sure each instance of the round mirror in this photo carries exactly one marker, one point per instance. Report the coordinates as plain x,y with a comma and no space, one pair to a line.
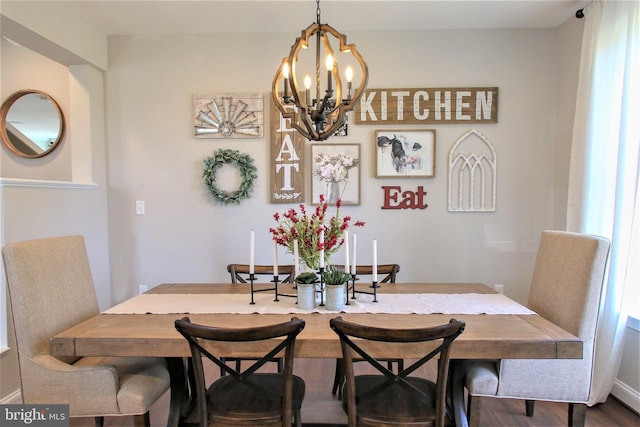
31,123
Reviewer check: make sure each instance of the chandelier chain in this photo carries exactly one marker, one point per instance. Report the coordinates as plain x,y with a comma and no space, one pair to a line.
318,11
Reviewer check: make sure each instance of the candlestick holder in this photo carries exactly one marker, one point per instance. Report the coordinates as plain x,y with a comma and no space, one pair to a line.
374,286
276,280
321,271
352,288
275,287
252,277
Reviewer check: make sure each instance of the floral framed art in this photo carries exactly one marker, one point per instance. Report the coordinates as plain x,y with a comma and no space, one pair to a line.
406,153
335,170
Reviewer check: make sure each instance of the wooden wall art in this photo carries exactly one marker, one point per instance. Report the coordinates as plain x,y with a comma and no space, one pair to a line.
335,170
472,174
428,106
228,116
286,160
406,153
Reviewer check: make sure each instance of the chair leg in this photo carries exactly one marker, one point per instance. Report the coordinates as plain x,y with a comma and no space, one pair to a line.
474,405
529,407
99,421
297,418
577,414
142,420
338,379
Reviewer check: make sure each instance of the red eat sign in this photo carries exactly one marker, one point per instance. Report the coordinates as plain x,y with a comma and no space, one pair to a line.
395,198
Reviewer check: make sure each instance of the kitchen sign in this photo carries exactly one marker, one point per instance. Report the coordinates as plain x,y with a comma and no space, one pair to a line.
434,106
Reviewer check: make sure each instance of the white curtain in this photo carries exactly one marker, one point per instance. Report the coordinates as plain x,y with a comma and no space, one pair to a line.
604,197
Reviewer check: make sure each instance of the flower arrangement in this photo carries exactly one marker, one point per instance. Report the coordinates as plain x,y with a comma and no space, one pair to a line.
333,168
305,229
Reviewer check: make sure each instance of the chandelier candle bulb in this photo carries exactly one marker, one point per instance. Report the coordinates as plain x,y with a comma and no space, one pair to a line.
275,258
329,64
349,76
285,75
374,271
307,87
252,247
353,268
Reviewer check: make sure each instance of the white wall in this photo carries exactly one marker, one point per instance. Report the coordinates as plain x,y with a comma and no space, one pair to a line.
187,236
62,193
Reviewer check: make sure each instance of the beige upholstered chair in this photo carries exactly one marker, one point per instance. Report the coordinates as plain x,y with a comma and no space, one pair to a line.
51,289
566,288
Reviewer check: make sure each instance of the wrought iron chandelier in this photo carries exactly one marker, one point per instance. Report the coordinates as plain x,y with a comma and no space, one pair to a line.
319,117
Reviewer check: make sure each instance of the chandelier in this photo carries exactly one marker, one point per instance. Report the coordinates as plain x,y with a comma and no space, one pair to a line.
315,115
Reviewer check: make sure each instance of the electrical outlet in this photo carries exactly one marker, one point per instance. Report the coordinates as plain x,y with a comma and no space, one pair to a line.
139,207
499,288
142,289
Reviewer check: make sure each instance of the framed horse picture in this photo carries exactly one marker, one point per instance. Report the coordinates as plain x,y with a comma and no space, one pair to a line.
406,153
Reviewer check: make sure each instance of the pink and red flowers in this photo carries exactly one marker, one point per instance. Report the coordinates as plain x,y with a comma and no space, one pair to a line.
305,228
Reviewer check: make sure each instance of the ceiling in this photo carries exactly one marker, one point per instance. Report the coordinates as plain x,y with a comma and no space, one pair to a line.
121,17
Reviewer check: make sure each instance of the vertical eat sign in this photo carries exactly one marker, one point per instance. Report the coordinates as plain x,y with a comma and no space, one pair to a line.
286,160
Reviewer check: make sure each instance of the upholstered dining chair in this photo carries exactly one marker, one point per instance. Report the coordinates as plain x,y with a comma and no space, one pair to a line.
246,397
397,399
240,273
386,274
565,289
51,289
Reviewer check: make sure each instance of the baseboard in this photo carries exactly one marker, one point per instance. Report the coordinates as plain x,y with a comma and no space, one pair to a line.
12,398
626,395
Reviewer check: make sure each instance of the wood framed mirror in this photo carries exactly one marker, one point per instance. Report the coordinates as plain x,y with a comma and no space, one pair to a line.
31,123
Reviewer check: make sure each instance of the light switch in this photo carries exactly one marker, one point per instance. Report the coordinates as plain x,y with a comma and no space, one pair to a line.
139,207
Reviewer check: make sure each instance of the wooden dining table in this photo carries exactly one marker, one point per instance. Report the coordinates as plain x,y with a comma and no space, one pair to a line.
486,336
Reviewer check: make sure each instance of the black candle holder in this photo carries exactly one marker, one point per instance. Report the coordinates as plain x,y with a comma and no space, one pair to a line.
321,271
275,287
374,285
275,281
252,277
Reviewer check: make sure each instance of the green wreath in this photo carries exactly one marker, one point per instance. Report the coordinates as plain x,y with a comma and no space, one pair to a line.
243,162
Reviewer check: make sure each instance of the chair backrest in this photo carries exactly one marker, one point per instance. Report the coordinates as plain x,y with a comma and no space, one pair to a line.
240,273
445,334
50,289
197,335
387,271
567,280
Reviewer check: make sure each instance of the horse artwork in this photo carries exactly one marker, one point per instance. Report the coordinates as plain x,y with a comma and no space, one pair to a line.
405,153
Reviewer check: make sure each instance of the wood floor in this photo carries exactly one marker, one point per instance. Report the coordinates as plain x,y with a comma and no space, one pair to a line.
321,408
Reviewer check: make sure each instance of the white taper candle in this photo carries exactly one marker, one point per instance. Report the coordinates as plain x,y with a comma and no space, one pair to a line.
374,270
275,258
296,259
346,251
321,265
353,268
252,250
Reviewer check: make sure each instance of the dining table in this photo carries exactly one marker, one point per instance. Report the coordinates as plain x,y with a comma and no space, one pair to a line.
496,327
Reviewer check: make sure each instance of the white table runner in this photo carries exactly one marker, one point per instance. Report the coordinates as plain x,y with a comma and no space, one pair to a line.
264,304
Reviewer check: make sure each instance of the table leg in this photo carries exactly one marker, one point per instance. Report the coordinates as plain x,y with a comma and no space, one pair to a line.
456,386
179,389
